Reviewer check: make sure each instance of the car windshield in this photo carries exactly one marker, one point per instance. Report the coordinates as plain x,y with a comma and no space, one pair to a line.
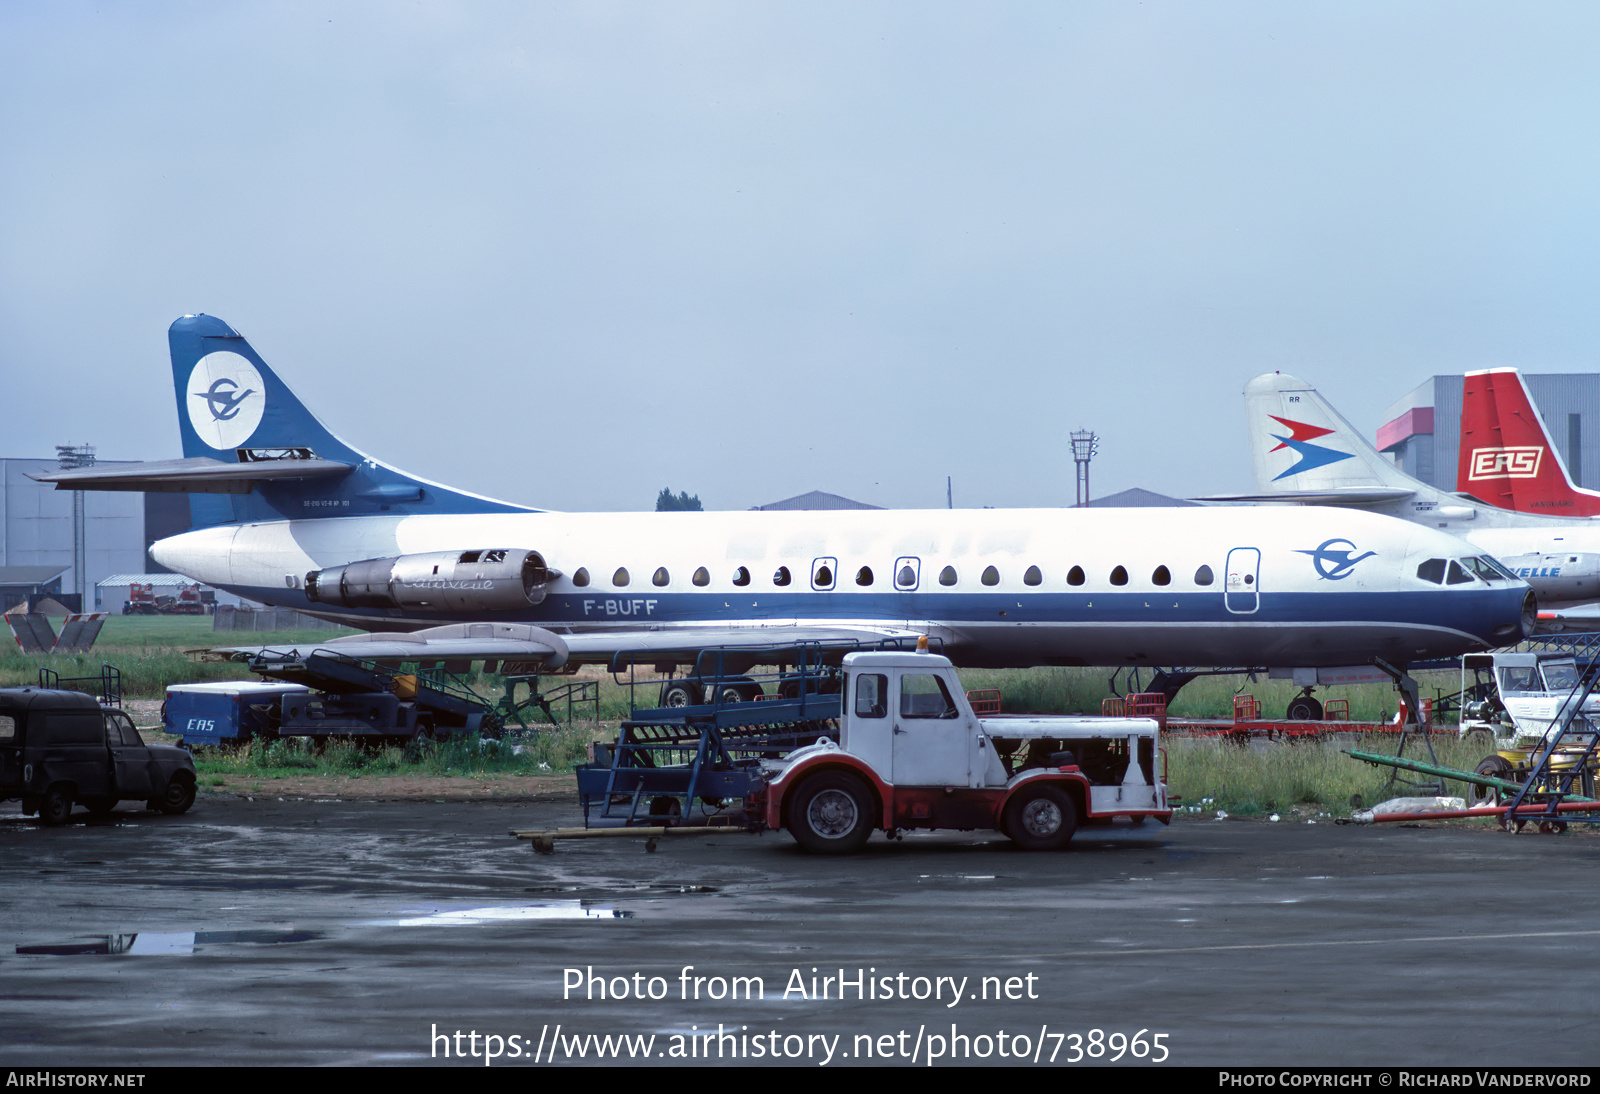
1560,676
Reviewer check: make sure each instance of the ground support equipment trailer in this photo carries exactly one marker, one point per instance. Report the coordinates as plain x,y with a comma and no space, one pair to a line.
1523,702
910,754
325,695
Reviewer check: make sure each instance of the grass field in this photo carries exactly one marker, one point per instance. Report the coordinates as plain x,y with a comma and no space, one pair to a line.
1301,780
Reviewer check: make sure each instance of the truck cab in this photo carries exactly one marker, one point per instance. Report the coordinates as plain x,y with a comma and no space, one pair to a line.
1516,697
911,754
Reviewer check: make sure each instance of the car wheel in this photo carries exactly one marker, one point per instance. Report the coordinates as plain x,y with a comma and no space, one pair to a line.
177,797
1041,818
56,805
831,814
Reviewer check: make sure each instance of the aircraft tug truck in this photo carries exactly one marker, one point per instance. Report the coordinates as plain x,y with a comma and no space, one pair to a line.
911,754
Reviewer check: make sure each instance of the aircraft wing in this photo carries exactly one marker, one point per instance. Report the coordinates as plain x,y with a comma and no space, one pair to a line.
1354,495
683,644
455,642
551,650
1579,619
199,475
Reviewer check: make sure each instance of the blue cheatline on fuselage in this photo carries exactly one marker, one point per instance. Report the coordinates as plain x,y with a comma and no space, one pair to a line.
1417,618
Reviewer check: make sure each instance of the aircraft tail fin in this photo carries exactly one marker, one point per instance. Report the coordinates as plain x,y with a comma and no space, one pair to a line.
1506,457
1302,449
234,409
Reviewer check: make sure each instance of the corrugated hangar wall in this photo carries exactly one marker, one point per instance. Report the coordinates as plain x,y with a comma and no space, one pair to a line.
37,528
1569,403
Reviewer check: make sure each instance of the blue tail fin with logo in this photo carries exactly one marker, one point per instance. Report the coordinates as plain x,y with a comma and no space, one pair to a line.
233,408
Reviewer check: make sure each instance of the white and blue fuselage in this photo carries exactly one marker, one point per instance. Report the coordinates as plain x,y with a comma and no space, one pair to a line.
1298,586
288,514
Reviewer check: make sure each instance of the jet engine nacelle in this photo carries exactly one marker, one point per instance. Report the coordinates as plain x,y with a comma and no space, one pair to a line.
457,581
1558,577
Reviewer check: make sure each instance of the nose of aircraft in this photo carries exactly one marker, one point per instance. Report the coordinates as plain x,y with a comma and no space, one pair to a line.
1515,622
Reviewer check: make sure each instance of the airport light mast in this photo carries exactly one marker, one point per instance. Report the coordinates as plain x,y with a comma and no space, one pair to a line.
69,457
1084,445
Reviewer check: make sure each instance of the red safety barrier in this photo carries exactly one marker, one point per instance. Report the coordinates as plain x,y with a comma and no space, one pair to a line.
984,700
1112,708
1146,704
1336,710
1246,708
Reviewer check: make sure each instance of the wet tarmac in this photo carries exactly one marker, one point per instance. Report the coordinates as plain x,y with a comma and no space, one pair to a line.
327,932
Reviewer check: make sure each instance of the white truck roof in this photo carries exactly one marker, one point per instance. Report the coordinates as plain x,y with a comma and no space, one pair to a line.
895,659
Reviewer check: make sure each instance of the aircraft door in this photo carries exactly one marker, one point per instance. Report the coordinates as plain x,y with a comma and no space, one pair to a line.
1242,594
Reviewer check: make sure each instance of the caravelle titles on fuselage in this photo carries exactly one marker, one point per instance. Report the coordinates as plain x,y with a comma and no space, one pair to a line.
289,515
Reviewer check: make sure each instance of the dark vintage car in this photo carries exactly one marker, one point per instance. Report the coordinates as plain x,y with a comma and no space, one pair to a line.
58,748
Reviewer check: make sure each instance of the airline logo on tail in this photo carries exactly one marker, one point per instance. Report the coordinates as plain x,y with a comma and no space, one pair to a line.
1520,462
1299,439
226,399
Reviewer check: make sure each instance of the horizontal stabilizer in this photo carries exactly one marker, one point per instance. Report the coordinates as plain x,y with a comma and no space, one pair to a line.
198,475
1352,495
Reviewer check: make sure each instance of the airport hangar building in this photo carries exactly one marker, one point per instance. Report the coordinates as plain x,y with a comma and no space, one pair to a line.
1422,432
37,528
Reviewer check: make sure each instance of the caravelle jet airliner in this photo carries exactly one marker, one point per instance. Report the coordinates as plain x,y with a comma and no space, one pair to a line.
287,514
1304,451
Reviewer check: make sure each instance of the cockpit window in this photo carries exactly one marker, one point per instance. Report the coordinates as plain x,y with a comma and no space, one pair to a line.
1432,570
1496,566
1456,575
1484,567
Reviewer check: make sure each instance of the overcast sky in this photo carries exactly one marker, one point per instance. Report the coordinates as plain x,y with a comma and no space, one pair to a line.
567,254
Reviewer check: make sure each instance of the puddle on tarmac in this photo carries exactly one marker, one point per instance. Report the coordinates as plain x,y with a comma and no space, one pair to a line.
651,887
164,943
500,913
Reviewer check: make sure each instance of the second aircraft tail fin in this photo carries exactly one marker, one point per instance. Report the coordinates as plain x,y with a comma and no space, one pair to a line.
1506,457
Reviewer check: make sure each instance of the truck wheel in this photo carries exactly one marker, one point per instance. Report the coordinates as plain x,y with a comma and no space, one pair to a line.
1496,767
681,693
740,690
56,805
176,798
831,814
1041,818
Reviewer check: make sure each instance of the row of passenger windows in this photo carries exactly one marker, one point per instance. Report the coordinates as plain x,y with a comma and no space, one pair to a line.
905,578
